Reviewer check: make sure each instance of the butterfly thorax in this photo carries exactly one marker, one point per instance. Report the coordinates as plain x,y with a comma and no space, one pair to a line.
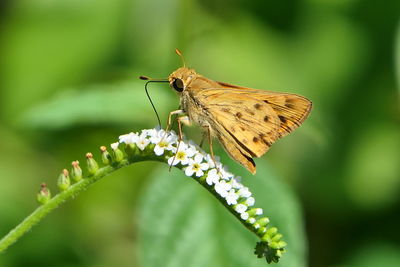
185,75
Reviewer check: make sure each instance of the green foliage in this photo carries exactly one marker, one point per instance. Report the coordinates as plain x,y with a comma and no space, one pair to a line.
68,83
119,104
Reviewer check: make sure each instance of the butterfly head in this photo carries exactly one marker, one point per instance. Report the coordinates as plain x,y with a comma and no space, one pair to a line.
181,78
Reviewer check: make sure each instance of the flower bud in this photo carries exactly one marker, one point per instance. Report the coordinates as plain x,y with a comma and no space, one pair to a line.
105,156
118,155
272,231
63,180
277,245
44,194
277,237
92,165
76,171
263,221
262,230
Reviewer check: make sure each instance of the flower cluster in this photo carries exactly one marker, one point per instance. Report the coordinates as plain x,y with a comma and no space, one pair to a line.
157,144
215,177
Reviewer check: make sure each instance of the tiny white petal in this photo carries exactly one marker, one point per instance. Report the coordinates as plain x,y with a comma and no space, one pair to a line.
256,225
212,177
128,138
244,192
198,158
250,201
236,184
199,173
252,220
158,150
232,197
221,189
259,211
189,171
204,166
244,216
142,142
173,161
240,208
115,145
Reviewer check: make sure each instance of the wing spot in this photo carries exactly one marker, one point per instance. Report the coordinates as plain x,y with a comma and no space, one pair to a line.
289,105
257,106
255,139
266,118
227,110
250,112
266,101
242,128
282,118
238,115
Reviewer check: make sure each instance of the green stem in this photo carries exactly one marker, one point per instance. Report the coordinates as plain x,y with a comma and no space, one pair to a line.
53,203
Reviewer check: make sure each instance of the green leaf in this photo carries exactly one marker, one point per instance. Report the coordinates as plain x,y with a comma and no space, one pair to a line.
181,224
120,103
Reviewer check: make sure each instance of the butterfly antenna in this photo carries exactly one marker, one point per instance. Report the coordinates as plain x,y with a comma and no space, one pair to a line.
149,80
179,53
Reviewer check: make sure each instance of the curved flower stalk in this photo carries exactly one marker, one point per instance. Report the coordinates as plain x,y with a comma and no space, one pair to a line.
158,145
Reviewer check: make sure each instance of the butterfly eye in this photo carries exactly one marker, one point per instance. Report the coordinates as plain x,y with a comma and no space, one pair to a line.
177,84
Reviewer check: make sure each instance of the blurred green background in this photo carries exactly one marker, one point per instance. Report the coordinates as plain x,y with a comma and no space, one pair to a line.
68,79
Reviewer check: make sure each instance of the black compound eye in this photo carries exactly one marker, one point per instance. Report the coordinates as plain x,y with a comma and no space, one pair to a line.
177,84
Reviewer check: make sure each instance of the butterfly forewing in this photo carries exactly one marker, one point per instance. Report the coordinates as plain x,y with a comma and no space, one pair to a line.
248,121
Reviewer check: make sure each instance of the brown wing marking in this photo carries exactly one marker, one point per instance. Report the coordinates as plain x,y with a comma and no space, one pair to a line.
236,153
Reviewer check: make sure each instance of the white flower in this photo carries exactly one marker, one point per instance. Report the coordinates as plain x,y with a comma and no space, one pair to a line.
211,162
252,220
141,141
222,188
256,225
114,146
244,192
150,132
240,208
235,183
182,155
225,174
164,144
250,201
244,216
128,138
212,177
259,211
232,197
197,166
155,136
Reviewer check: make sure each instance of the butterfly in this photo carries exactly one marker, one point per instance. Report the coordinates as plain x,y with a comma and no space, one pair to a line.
246,121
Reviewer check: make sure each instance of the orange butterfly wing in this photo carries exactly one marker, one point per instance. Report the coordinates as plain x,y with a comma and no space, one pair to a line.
248,121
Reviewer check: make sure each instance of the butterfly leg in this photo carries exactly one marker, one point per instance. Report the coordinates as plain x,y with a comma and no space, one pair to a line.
181,120
172,113
169,121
